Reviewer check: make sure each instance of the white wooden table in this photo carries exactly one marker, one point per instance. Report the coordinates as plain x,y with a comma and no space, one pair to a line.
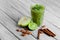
12,10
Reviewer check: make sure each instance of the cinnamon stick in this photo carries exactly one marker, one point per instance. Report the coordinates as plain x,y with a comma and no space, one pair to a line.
39,32
48,32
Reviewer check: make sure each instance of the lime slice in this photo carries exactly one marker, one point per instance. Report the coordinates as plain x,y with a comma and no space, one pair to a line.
24,21
32,26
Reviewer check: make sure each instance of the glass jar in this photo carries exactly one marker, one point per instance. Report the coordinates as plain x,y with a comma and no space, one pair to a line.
37,14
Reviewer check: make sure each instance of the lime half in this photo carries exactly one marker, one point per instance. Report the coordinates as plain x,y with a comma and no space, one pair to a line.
24,21
32,26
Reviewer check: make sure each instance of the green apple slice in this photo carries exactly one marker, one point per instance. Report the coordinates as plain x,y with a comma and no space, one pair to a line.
32,26
24,21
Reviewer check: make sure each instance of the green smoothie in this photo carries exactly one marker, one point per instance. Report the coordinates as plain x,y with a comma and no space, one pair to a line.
37,13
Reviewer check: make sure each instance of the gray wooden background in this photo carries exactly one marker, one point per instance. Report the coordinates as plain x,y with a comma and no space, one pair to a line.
12,10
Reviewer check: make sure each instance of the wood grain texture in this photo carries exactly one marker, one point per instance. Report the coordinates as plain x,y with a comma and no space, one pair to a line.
12,26
51,20
5,34
12,10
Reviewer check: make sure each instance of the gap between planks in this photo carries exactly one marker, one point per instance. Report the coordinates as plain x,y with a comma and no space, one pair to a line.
13,27
5,34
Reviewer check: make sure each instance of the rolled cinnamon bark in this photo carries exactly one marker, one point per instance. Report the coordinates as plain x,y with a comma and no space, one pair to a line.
48,32
39,32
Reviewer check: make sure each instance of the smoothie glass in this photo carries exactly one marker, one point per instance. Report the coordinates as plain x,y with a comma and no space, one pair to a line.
37,14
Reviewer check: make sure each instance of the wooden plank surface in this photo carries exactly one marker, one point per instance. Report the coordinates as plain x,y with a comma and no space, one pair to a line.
52,17
12,10
5,34
33,32
12,26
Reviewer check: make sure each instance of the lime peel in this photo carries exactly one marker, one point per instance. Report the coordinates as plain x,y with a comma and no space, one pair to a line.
32,26
24,21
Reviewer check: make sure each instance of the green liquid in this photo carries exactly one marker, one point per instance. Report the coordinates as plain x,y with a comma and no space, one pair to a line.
37,13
